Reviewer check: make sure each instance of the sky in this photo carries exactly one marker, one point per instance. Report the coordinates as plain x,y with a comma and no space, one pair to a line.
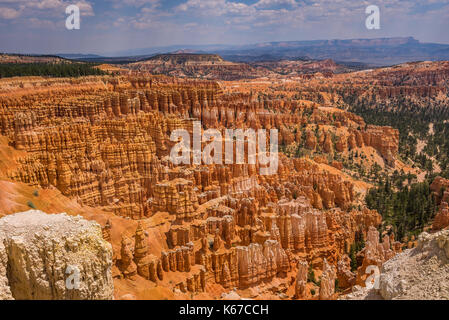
109,26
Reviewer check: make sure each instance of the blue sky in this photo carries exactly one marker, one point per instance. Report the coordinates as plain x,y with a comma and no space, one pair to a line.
38,26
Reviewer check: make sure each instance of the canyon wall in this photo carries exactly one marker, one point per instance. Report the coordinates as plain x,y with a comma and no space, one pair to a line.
196,229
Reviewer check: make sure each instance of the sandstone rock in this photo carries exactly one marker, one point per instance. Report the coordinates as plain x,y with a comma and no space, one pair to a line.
346,278
141,257
327,284
39,253
127,265
441,219
301,280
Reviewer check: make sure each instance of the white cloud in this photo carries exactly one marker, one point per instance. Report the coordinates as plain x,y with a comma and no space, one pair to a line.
45,4
9,13
216,7
38,23
40,8
191,25
238,21
141,25
270,3
135,3
119,22
85,8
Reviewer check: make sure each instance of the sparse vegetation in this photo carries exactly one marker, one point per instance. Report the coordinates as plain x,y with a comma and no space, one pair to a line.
31,205
359,244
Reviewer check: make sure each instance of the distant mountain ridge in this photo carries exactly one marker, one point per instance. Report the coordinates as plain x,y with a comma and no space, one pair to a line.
180,58
382,51
347,42
376,51
78,56
206,66
28,58
352,52
214,67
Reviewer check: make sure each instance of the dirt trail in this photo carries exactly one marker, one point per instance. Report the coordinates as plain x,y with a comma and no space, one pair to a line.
420,147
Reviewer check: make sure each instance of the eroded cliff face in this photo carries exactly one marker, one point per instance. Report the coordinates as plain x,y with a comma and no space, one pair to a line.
440,191
196,230
107,149
53,257
311,124
206,66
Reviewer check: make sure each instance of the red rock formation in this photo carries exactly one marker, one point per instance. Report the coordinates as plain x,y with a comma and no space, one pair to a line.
327,284
440,187
441,220
346,278
200,227
301,280
374,253
208,66
141,257
127,265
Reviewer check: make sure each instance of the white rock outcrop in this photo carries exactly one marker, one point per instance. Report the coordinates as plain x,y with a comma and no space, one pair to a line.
421,273
53,256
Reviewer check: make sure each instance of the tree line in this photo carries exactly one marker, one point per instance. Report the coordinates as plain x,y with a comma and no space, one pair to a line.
48,69
407,208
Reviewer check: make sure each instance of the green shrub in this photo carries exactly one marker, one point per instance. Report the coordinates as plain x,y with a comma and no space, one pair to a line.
31,205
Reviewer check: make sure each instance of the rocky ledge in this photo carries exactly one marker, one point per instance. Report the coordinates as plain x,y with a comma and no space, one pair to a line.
420,273
55,256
